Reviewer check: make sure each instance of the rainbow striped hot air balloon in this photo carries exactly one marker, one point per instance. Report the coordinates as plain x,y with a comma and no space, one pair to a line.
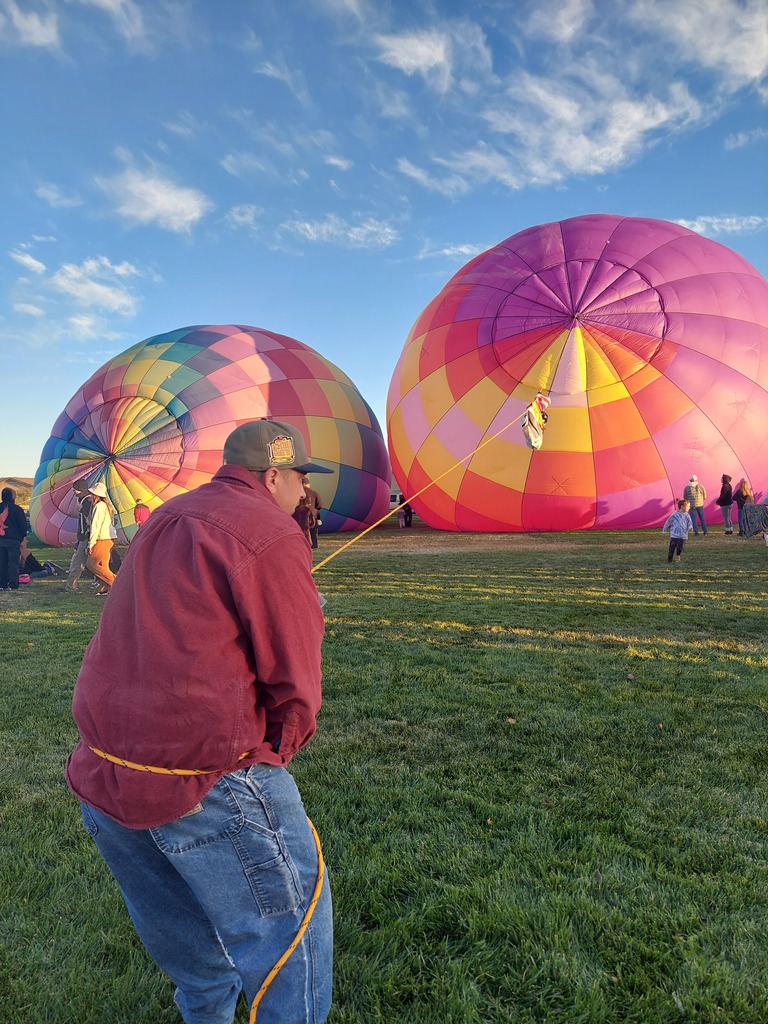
151,423
651,343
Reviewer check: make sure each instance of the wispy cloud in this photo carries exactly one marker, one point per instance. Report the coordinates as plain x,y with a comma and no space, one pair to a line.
184,124
245,215
97,283
725,225
427,53
740,139
126,15
28,262
30,28
149,198
54,196
559,20
367,233
449,185
726,36
27,309
245,165
293,79
337,161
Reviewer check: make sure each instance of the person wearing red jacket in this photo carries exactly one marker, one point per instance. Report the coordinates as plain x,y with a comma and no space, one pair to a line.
200,685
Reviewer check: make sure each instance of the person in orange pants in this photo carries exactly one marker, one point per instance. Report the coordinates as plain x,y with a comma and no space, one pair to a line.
100,541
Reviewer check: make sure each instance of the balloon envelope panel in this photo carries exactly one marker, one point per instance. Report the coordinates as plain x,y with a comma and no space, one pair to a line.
152,422
652,343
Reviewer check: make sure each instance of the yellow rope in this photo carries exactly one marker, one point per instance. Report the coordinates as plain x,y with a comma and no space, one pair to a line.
359,536
159,771
153,770
302,928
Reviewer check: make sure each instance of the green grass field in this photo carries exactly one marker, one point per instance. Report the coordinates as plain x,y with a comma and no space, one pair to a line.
539,777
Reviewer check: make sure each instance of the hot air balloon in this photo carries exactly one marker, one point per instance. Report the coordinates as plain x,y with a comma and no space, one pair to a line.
151,423
651,343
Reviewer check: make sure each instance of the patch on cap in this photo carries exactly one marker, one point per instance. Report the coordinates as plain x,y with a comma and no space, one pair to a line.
281,451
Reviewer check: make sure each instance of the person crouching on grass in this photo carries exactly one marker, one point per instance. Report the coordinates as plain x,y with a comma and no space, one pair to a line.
679,525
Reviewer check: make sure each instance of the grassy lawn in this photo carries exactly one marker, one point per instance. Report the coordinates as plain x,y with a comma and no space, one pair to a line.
539,777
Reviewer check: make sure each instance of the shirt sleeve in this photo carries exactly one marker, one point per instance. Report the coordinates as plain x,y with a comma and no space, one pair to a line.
278,604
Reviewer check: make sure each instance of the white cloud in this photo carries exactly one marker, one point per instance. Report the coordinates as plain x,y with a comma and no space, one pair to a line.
727,36
340,162
27,309
244,216
96,283
85,328
244,165
148,198
458,251
725,225
368,233
185,124
126,15
740,139
427,53
53,195
33,29
559,20
293,79
450,185
27,261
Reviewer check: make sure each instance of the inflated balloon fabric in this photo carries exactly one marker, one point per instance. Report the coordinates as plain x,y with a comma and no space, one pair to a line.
152,422
650,341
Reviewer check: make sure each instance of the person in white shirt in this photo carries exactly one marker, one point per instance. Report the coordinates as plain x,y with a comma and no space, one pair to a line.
100,538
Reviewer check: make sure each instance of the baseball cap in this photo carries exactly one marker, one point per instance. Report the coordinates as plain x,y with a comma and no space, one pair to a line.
694,479
268,444
99,489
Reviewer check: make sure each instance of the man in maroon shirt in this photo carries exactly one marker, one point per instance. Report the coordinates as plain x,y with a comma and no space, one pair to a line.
200,685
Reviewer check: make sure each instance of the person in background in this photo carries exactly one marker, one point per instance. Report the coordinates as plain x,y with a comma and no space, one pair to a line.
725,502
80,554
743,496
679,526
191,702
304,517
141,513
695,494
408,514
100,538
35,570
13,530
315,505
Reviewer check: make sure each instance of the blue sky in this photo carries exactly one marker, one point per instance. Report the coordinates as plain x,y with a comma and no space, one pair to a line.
321,168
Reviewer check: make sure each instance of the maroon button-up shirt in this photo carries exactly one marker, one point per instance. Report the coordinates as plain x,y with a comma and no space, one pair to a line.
208,648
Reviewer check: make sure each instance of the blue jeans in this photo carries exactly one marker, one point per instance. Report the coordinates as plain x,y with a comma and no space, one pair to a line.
218,896
700,513
742,520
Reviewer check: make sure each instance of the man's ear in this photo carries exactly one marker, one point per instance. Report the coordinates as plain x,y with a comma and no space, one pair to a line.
270,479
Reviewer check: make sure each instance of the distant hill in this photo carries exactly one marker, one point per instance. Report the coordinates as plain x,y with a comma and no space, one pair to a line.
22,485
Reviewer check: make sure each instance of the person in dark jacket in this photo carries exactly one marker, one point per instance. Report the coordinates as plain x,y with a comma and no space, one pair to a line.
315,506
80,554
725,501
13,530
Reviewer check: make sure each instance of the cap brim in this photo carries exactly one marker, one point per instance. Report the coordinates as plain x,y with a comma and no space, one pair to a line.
312,467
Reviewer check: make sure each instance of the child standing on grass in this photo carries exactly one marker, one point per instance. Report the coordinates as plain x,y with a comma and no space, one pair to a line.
679,526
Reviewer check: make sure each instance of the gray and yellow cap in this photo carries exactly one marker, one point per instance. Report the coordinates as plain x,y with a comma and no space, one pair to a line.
268,444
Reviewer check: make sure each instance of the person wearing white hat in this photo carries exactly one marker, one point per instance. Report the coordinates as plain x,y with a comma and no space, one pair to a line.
100,538
695,494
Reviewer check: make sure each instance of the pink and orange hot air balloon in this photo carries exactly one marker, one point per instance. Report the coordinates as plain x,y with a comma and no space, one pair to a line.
651,343
151,423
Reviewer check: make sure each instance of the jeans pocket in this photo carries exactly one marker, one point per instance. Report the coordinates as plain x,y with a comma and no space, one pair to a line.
89,821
